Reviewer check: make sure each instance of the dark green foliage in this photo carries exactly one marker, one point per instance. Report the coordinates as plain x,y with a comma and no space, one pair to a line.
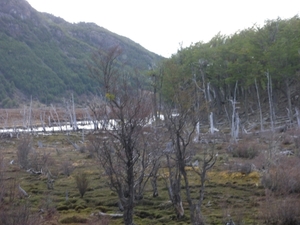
244,58
44,56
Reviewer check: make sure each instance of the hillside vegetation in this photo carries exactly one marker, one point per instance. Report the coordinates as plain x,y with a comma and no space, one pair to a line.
45,57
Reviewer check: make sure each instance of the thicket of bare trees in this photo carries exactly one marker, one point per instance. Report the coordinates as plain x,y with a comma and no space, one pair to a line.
125,151
131,152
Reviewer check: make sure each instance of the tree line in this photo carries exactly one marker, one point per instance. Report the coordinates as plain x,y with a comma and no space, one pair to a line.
254,66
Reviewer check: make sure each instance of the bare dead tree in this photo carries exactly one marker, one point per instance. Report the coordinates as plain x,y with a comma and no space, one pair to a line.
297,117
74,122
92,118
30,114
42,118
23,112
103,67
181,128
56,114
97,107
122,155
271,105
201,165
259,106
235,121
150,145
70,112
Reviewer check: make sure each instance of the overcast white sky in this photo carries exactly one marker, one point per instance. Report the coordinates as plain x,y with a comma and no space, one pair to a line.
160,25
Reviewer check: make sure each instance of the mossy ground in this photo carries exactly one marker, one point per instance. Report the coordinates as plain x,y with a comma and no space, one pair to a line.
228,194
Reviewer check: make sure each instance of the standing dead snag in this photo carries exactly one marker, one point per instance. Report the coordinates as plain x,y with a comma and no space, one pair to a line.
235,121
204,164
70,111
173,183
270,96
122,150
181,136
103,67
123,154
259,106
182,95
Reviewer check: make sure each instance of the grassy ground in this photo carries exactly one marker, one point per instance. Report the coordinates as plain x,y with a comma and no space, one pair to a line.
229,193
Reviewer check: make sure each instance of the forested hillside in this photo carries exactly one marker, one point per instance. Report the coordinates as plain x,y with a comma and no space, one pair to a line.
45,57
253,69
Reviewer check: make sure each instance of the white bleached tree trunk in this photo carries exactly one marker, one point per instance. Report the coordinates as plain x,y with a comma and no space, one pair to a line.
298,117
211,121
56,114
235,121
270,95
75,127
259,106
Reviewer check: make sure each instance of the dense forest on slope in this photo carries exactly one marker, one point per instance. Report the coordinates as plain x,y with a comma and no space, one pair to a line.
45,57
256,68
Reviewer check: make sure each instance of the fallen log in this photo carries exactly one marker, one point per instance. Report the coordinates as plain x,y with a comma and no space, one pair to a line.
112,215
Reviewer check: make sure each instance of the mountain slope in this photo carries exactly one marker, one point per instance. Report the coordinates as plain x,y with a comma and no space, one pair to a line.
44,56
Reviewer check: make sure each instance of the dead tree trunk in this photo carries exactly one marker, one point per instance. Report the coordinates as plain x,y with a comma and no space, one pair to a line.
75,127
270,95
298,117
235,122
259,107
174,188
288,95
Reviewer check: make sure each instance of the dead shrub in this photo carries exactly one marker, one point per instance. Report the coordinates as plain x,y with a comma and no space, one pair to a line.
67,168
284,177
245,149
82,149
82,183
285,211
18,213
287,139
48,210
242,167
259,161
23,150
100,220
94,146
